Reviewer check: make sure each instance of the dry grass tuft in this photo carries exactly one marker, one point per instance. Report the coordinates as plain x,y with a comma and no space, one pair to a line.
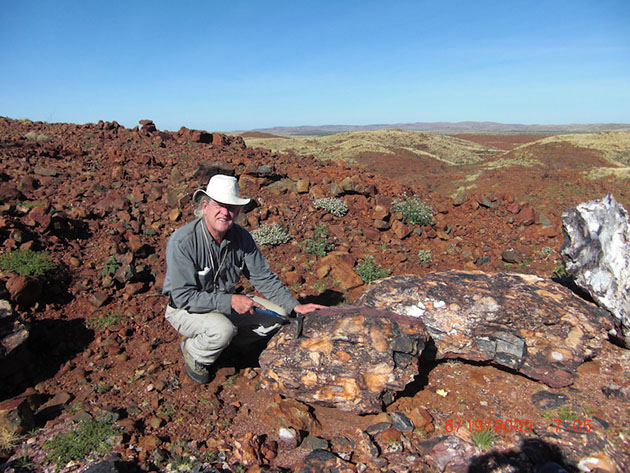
9,438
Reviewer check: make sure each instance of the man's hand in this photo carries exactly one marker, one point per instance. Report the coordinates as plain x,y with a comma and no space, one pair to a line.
306,308
244,305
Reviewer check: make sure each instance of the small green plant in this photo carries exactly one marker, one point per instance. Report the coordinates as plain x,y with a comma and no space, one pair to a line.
483,439
319,286
26,262
335,207
413,211
167,410
560,271
104,321
181,464
24,463
425,256
101,388
547,250
33,204
231,381
319,245
566,413
369,271
271,235
111,266
75,445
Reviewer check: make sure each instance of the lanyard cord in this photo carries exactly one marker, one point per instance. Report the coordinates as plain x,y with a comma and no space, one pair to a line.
216,271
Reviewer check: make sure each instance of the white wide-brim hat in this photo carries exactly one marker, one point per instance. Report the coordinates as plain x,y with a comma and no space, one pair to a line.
223,189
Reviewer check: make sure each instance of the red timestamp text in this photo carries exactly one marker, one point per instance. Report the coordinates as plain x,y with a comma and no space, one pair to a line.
577,425
490,425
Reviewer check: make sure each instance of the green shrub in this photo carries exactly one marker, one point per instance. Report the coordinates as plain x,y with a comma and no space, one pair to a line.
26,262
413,211
425,256
319,245
335,207
271,235
112,264
89,436
560,271
368,271
103,321
547,250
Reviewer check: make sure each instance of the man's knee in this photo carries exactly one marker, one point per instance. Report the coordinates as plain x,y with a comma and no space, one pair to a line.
221,331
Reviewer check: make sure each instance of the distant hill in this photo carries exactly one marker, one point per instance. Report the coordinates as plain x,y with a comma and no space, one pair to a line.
353,146
449,128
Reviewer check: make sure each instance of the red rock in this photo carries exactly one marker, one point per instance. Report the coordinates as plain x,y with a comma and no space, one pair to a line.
526,216
16,416
302,186
430,233
380,213
281,412
98,299
381,225
149,442
371,234
24,290
514,208
401,230
293,277
199,136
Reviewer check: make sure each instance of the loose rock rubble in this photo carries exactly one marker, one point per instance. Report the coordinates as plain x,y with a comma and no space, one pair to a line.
101,201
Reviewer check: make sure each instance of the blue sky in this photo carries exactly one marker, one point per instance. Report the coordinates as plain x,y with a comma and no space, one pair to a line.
219,65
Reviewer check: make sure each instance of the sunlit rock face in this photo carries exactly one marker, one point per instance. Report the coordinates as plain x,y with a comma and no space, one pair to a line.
524,323
353,358
596,254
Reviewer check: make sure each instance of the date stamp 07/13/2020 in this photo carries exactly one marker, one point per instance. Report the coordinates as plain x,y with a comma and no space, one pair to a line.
513,425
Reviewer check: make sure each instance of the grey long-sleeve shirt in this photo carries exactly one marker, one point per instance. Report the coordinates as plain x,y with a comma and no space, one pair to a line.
199,281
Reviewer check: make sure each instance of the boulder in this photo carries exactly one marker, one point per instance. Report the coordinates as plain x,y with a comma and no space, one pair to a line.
596,254
525,323
24,290
353,358
323,460
16,416
12,332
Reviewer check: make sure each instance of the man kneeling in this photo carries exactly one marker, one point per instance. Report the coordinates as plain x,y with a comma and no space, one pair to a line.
204,262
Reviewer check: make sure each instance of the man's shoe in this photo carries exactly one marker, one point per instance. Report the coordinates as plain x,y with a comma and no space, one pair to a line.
196,371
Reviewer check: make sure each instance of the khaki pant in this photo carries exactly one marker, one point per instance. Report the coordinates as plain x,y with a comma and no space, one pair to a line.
210,333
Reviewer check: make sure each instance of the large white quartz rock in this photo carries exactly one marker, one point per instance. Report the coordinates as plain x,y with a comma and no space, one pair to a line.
596,254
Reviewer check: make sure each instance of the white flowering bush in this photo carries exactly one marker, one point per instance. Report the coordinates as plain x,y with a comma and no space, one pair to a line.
335,207
271,235
414,211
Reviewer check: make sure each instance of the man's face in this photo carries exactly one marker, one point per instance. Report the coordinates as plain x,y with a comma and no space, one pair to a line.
219,217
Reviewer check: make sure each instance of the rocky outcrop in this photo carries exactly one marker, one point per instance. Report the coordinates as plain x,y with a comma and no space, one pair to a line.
596,254
349,357
525,323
